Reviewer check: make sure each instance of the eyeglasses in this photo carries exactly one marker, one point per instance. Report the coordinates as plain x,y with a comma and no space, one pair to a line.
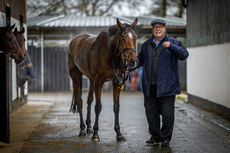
159,26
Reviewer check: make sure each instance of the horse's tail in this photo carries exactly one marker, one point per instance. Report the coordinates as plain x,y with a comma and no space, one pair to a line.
73,107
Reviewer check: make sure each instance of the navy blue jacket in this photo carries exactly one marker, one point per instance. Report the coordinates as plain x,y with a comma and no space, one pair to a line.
168,69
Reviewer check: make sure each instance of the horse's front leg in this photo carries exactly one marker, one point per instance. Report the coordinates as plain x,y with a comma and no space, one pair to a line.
116,108
98,108
89,102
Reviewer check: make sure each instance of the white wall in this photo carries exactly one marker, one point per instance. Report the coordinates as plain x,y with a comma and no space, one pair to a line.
208,73
2,19
14,73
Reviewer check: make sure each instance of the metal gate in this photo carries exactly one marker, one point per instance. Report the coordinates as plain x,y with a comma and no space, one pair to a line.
56,76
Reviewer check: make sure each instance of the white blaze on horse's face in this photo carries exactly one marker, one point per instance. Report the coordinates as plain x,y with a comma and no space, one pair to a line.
130,35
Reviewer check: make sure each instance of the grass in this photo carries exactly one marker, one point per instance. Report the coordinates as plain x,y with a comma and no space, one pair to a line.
183,97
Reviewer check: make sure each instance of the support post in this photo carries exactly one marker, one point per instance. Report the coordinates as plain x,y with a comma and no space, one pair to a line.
42,61
4,102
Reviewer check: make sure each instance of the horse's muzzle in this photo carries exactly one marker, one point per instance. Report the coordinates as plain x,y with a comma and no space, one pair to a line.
132,63
18,59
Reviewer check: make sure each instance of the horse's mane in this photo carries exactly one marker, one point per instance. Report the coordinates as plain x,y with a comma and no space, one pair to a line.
113,29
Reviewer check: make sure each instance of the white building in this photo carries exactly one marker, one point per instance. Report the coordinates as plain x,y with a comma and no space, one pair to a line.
208,66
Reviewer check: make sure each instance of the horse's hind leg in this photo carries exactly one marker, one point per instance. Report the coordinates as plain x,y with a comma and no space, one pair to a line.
76,76
89,102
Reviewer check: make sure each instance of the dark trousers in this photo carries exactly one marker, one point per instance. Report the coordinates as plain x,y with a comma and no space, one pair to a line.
154,107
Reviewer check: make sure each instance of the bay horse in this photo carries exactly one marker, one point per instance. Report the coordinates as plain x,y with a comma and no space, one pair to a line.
9,45
19,35
101,58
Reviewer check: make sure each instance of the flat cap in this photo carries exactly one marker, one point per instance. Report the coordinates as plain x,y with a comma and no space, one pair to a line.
158,21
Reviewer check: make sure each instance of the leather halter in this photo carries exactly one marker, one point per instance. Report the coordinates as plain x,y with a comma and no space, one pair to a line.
121,80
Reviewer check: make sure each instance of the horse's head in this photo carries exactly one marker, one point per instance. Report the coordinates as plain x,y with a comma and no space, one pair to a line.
127,41
19,35
9,45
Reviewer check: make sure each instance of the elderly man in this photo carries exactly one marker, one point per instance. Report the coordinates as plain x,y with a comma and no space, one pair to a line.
159,57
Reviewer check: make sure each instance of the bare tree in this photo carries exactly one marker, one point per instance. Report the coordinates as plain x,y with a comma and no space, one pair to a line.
46,7
180,9
161,8
80,7
102,7
93,8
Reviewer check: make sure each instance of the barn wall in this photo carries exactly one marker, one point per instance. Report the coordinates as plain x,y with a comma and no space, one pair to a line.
10,97
19,8
2,18
208,73
208,41
208,22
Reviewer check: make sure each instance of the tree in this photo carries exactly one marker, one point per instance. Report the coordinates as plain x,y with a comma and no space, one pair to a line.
80,7
105,7
168,7
46,7
93,8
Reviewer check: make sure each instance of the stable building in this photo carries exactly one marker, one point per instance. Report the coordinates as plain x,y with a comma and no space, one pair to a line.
208,42
12,96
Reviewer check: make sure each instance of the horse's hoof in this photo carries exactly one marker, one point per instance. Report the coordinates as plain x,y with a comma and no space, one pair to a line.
120,138
82,133
95,138
89,130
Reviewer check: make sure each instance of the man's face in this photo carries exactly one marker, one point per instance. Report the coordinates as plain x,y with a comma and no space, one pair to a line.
158,30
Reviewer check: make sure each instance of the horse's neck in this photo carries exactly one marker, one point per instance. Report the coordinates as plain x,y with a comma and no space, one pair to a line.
116,58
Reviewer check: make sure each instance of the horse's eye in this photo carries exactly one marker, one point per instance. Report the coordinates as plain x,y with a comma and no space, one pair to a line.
122,37
10,39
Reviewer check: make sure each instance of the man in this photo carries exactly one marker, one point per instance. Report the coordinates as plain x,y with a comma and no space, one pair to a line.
159,57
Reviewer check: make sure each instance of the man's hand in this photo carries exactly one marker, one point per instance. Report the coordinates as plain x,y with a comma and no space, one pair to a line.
166,44
127,71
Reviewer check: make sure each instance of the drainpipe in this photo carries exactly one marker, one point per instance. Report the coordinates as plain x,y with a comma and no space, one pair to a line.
42,61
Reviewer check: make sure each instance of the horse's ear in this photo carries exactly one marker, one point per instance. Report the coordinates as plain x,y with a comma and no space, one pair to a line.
23,30
8,26
120,25
12,27
16,30
134,23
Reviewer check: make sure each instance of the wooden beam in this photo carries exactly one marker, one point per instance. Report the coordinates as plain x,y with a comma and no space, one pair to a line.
4,101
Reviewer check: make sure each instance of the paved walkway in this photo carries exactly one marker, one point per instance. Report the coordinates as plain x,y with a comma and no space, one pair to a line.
46,125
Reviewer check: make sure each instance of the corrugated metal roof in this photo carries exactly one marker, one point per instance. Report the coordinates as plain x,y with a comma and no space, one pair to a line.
170,21
96,21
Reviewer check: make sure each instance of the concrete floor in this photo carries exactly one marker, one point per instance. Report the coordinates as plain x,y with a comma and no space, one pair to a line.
45,124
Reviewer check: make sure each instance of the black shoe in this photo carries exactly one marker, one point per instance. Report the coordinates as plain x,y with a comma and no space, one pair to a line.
165,143
152,140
